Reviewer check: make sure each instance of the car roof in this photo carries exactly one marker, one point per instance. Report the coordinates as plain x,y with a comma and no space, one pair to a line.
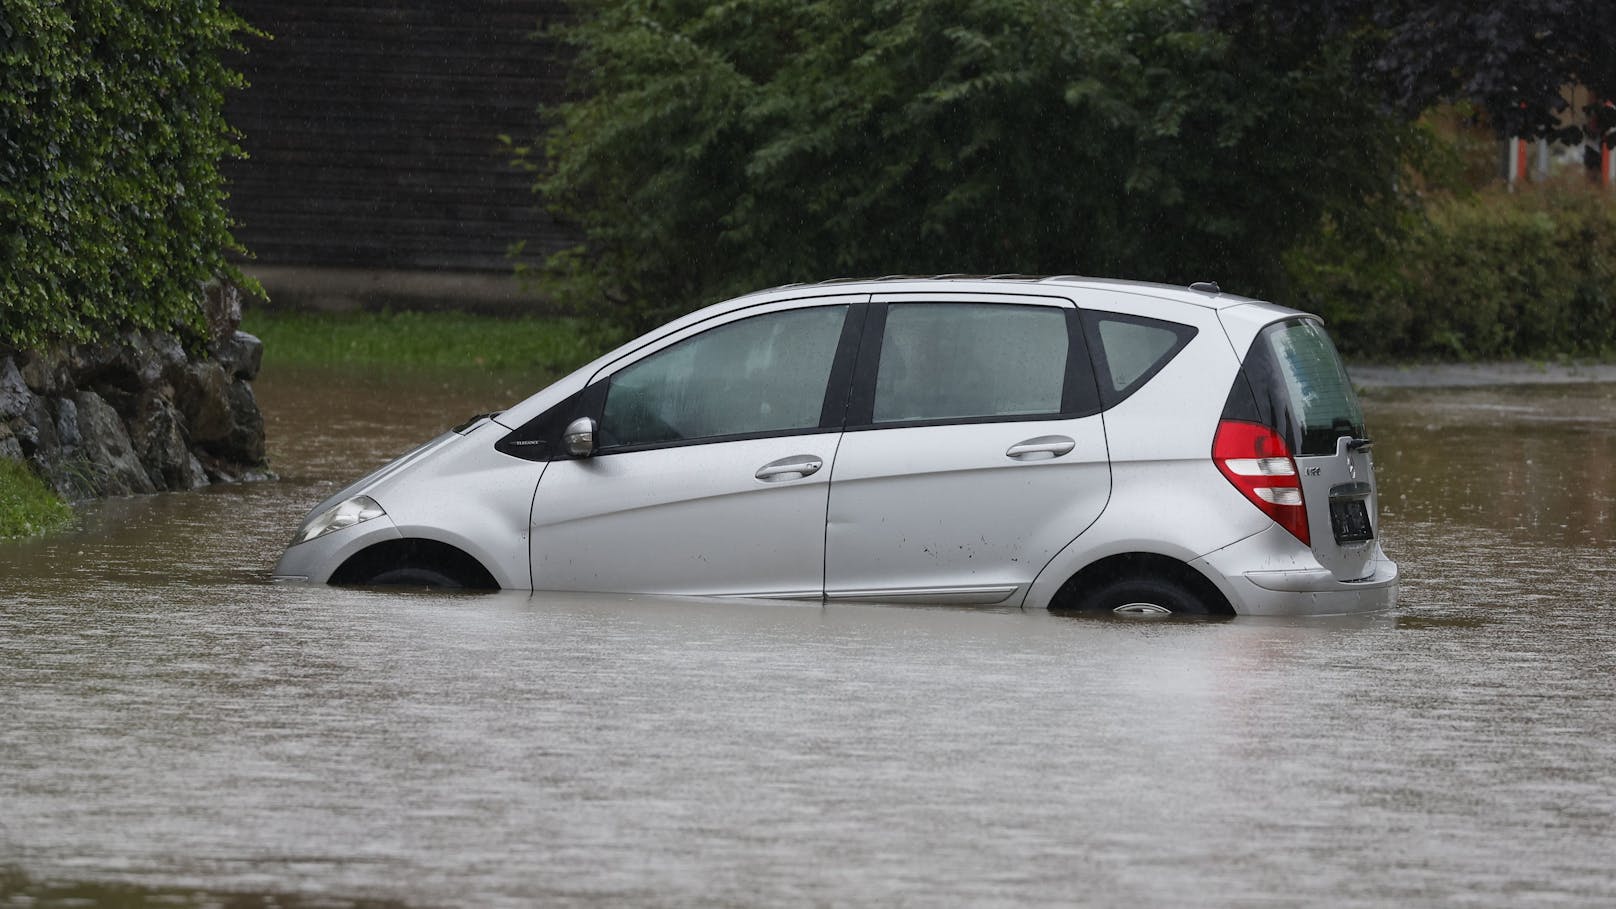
1206,295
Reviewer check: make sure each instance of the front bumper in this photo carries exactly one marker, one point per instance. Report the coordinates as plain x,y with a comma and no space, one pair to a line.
315,561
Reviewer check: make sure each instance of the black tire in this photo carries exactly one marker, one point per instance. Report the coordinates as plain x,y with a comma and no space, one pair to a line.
1143,596
414,577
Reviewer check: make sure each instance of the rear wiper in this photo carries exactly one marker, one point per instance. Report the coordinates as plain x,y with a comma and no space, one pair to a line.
1360,444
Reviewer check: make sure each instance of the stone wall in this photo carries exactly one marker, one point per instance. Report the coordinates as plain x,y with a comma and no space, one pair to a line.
137,414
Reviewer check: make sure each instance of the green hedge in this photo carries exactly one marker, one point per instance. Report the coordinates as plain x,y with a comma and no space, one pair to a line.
1484,277
111,203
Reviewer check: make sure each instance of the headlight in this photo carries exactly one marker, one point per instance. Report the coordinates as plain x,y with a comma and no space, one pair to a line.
356,510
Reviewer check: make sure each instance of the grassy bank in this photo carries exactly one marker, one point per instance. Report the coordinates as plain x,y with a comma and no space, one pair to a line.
27,505
424,340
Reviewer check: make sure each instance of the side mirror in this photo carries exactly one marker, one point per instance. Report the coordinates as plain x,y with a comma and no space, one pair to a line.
579,437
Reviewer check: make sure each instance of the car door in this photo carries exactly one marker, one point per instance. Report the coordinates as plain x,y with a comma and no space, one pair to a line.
712,465
973,453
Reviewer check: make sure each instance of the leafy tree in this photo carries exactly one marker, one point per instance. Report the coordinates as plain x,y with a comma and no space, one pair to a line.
1509,59
714,148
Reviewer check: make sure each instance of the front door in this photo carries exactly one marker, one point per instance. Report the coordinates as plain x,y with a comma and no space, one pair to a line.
713,465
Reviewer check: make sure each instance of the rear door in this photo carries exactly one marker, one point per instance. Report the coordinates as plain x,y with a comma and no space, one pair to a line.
1303,391
974,450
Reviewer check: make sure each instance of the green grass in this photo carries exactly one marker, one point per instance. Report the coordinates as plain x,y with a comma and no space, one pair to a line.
27,505
434,340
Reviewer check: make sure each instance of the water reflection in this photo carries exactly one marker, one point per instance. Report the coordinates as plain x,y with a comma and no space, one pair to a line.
173,724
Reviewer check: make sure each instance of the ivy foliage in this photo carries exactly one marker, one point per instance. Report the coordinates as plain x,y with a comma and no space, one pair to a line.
111,202
713,148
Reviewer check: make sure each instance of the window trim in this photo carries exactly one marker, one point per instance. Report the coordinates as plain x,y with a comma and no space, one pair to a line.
1079,393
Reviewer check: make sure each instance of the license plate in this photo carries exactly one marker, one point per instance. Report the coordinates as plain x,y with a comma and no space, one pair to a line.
1349,518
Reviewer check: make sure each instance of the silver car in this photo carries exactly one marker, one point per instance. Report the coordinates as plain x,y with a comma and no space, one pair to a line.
1061,443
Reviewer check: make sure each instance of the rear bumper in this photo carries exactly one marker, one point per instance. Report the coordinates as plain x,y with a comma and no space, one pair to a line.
1258,581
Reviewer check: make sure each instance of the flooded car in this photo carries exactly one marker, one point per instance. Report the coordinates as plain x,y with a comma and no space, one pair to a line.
1063,443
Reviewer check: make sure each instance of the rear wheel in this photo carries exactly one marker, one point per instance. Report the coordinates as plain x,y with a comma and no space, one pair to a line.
1143,596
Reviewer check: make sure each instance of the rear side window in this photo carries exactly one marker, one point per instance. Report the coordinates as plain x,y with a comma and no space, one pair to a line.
1294,383
1129,350
946,361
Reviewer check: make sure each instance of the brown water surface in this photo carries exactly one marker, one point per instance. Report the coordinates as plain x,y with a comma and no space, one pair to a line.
174,727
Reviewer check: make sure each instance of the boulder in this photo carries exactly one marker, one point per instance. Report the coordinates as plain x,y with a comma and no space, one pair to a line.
157,433
15,396
114,468
66,413
9,446
45,372
203,396
245,441
242,355
221,305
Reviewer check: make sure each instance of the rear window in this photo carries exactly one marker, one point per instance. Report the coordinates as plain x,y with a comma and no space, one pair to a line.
1293,382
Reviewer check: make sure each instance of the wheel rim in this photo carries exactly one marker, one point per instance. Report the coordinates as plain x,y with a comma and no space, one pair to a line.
1142,609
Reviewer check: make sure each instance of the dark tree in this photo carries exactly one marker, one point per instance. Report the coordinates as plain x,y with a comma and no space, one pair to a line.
1512,60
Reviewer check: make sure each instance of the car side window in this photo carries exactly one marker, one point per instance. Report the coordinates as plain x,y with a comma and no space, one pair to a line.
1129,350
757,375
968,360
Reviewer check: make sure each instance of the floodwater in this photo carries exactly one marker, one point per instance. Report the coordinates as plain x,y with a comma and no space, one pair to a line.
176,731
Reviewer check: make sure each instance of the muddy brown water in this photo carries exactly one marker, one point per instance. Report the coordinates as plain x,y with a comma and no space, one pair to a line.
175,730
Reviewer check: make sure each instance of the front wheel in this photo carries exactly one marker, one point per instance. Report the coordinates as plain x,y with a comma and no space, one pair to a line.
1143,596
414,577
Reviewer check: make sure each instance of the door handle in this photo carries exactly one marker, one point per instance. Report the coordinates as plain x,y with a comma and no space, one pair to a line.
793,468
1040,449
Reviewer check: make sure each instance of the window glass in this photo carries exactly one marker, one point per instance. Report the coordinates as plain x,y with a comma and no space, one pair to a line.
960,360
763,374
1132,349
1316,384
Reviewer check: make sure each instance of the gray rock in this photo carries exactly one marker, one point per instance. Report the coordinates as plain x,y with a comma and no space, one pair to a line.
9,446
115,469
45,372
67,423
221,304
203,397
14,394
245,443
158,435
170,354
36,430
242,355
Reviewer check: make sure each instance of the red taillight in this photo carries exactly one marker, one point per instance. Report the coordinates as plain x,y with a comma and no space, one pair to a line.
1255,459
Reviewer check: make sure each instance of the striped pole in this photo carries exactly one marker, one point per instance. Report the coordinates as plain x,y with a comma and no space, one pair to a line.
1515,162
